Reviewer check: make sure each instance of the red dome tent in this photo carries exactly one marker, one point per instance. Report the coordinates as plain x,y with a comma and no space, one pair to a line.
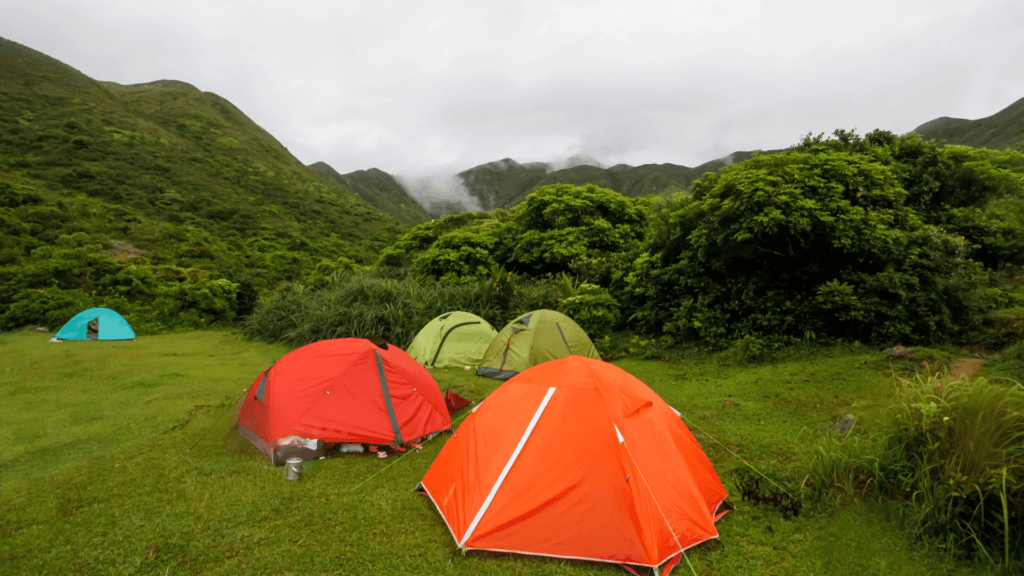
344,390
576,458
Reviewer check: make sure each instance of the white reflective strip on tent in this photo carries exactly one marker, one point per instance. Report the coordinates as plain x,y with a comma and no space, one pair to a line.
619,434
508,466
678,413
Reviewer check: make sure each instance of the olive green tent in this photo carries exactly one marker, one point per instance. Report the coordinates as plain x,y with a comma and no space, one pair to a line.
452,339
531,339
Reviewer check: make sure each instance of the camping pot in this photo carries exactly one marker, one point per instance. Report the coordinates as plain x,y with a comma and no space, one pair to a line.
293,469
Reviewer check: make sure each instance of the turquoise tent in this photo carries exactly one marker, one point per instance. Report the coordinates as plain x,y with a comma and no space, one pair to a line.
97,324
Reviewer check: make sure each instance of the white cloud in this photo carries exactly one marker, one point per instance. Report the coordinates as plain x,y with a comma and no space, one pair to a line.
424,88
446,189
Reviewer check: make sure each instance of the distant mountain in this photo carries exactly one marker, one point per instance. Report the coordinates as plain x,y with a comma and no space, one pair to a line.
502,184
1002,130
379,189
505,183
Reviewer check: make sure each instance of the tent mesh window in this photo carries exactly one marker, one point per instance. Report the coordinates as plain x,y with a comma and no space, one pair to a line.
92,329
261,391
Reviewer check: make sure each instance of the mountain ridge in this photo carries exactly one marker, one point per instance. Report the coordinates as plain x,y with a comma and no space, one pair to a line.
379,189
1002,130
187,162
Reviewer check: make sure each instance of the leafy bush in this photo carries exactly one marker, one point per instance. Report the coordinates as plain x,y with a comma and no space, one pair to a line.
644,348
418,239
951,455
749,349
593,308
562,223
50,307
974,193
462,255
780,245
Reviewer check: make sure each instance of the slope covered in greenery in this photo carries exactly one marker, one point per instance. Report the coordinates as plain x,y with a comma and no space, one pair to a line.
379,189
505,183
96,178
1002,130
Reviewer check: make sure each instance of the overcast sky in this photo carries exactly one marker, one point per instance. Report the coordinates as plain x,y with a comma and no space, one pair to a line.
427,87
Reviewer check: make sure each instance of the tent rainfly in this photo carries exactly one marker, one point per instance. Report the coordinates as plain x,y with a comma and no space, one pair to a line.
452,339
345,390
96,324
576,458
531,339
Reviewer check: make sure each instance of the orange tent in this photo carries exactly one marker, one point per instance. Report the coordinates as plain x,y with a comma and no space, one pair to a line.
576,458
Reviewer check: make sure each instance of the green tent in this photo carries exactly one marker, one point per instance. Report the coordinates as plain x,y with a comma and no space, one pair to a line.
531,339
452,339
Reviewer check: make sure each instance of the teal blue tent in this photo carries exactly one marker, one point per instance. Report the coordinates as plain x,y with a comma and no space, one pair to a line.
97,324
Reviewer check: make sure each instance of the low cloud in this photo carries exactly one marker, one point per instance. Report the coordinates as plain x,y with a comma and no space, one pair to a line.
442,194
574,161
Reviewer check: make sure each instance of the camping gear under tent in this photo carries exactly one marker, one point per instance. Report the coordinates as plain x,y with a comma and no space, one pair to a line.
96,324
576,458
347,390
452,339
531,339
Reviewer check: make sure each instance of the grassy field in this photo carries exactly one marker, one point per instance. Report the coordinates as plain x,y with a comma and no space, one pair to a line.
96,476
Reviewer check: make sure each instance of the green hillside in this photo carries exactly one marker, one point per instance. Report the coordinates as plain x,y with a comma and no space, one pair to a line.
1000,131
379,189
505,183
157,174
502,184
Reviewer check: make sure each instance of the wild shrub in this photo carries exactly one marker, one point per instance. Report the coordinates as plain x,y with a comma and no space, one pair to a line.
784,244
950,456
536,294
364,305
50,307
749,349
1008,364
562,223
644,348
462,255
593,308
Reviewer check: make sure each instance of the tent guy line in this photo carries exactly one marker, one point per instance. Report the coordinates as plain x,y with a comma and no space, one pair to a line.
737,456
400,457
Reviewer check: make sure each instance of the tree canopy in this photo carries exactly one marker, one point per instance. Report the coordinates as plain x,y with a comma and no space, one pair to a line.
823,241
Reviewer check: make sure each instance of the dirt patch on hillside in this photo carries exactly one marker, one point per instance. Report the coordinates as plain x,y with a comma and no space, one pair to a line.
123,251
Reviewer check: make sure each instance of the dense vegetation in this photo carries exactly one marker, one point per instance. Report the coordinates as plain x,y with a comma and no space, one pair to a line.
504,184
880,239
379,189
950,455
157,199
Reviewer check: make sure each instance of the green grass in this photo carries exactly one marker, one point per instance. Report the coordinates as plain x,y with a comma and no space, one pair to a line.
97,477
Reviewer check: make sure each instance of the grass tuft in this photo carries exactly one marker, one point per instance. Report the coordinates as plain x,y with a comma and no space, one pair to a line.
950,457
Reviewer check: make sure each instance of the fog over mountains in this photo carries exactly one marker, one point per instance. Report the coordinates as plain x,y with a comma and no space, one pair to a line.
506,182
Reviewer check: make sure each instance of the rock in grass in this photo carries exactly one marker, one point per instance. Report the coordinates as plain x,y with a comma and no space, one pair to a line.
842,423
898,352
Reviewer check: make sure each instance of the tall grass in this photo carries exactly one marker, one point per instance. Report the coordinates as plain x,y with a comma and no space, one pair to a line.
950,456
362,305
